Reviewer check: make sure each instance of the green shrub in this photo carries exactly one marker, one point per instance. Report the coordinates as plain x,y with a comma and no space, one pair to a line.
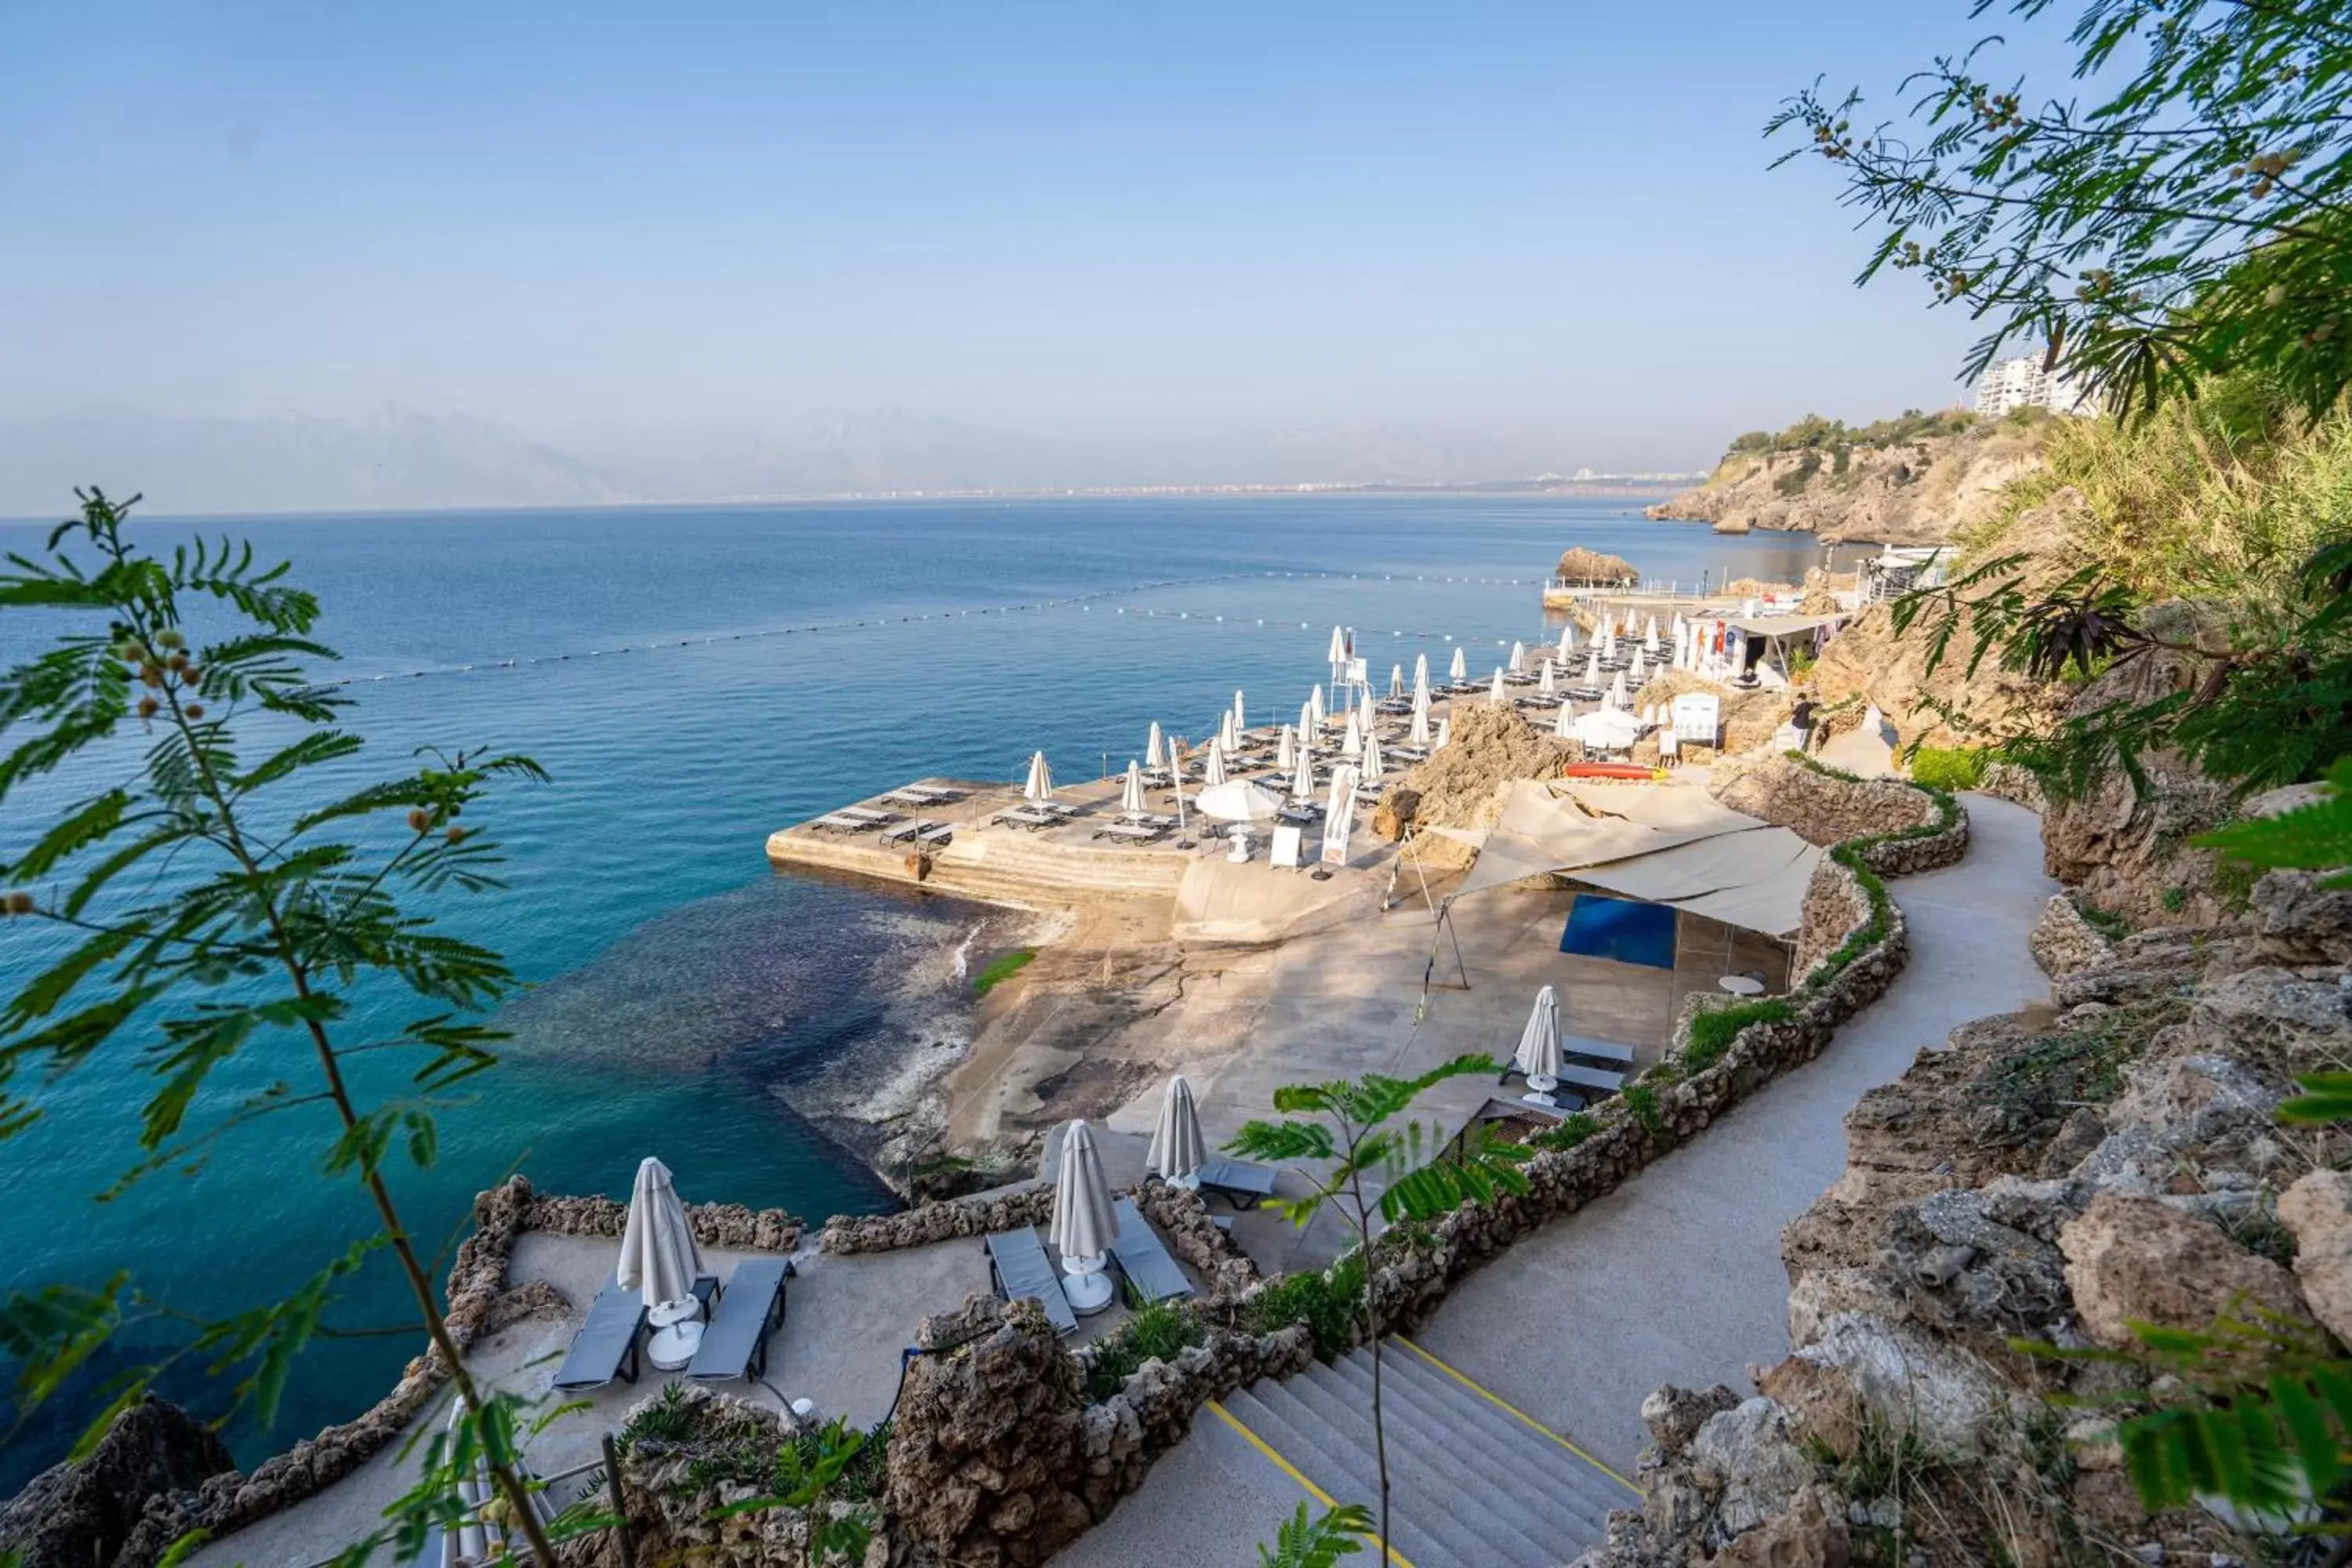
2175,899
1329,1303
1948,768
1158,1332
2106,923
1794,482
1642,1103
1573,1128
1001,968
1712,1032
665,1418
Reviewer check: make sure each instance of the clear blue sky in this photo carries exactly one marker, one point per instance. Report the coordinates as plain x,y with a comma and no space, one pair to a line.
1086,219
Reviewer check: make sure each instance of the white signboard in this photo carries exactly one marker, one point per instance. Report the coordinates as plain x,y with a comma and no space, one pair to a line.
1357,673
1696,716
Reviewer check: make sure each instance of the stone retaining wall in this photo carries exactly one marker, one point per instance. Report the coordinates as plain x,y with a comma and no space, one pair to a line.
930,1223
733,1227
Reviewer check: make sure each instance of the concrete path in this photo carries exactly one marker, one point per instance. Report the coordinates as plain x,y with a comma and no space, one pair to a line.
1676,1276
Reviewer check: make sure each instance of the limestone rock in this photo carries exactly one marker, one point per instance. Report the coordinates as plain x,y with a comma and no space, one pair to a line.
2062,941
76,1514
1591,568
2138,1259
985,1451
1465,785
2318,1210
1749,1457
1675,1414
1863,1370
2296,920
1812,1534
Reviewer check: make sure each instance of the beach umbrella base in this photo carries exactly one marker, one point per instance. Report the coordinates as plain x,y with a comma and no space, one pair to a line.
1086,1284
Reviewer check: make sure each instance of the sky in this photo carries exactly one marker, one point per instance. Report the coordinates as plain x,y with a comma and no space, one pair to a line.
1551,222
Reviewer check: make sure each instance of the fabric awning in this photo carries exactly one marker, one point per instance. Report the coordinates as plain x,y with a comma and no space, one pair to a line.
1663,845
1780,625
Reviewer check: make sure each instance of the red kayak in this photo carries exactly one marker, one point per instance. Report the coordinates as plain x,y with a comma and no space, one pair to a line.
1611,771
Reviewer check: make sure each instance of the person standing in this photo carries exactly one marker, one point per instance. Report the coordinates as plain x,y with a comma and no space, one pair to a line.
1802,721
1670,750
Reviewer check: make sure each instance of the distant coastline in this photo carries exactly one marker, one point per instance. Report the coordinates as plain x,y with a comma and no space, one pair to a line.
1642,488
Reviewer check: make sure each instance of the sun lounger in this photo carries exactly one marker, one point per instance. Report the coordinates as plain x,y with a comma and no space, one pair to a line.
1599,1050
1146,818
908,830
1143,1261
607,1346
838,822
921,794
939,834
867,814
1022,816
735,1342
1131,833
1238,1181
1018,1266
1592,1078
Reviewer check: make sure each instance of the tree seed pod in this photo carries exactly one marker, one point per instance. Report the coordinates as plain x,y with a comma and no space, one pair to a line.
419,819
195,709
20,902
457,835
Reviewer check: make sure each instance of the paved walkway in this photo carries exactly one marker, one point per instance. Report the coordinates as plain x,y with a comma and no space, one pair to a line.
1676,1276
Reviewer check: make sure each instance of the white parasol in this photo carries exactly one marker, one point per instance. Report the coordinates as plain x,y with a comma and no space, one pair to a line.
1130,795
1040,787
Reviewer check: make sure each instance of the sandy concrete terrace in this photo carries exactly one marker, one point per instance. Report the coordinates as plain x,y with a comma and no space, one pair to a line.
846,1320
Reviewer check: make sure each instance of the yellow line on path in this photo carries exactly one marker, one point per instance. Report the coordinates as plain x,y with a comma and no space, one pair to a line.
1287,1468
1491,1397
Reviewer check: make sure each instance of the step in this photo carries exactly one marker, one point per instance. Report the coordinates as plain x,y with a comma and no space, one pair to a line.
1425,1477
1343,1475
1536,1483
1571,1497
1595,1492
1602,1491
1416,1502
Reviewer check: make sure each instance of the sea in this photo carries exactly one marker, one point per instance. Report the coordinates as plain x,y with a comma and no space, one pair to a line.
692,679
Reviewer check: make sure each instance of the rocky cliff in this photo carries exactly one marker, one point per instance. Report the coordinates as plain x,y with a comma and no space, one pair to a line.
1909,492
2051,1178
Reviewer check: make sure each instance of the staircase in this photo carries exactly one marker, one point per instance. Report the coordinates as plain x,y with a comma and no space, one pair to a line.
1471,1484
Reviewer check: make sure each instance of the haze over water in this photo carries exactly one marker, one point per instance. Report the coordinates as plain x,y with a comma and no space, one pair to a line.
683,990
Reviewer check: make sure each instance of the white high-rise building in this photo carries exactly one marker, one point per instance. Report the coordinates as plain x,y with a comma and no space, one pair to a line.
2021,382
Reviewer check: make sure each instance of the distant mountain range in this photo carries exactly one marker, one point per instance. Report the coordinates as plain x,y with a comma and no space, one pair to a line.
396,458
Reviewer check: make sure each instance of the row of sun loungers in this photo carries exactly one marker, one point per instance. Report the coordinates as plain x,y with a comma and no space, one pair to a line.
734,1343
1019,1264
923,830
923,796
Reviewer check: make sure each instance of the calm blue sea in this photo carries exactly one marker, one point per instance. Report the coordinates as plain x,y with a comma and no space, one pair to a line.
694,678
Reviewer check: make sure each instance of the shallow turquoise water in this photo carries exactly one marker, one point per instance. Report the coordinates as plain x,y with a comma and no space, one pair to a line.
668,668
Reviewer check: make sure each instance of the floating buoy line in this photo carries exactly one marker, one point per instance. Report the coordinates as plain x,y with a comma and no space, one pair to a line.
1085,602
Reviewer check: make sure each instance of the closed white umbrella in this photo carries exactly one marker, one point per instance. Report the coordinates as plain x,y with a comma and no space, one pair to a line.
1549,684
1420,675
1567,639
1155,750
1649,636
1396,680
1593,668
1367,710
1315,703
1608,643
1617,689
1130,795
659,1260
1212,770
1339,646
1518,655
1285,749
1641,666
1241,714
1373,768
1302,776
1421,717
1538,1052
1353,745
1459,669
1083,1223
1340,810
1040,787
1306,720
1239,800
1178,1150
1560,726
1444,733
1228,732
1495,693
